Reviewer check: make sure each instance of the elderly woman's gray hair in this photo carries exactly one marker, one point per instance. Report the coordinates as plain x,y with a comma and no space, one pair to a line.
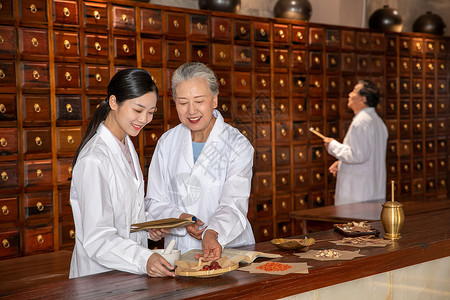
195,70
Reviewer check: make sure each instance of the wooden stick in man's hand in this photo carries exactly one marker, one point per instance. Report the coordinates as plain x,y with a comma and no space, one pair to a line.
317,133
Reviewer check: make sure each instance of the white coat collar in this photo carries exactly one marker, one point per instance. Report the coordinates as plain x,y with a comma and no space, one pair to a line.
212,138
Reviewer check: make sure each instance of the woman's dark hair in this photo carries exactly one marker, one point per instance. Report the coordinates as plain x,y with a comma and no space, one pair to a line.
370,91
125,85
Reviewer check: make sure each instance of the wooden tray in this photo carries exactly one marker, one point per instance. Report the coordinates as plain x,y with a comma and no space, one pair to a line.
339,228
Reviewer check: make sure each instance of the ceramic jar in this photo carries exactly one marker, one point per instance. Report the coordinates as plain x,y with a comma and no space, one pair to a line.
429,23
386,19
289,9
231,6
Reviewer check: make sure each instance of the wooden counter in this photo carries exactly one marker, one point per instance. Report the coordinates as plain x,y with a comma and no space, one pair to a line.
425,237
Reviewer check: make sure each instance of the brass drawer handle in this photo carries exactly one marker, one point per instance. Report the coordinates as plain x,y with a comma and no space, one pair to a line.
98,47
316,36
36,74
199,26
348,60
431,67
282,83
262,32
299,35
151,21
263,57
69,170
177,52
405,146
5,176
301,178
96,15
37,107
66,12
5,210
33,8
406,188
69,108
430,145
405,65
154,137
333,107
393,169
40,239
430,46
281,58
301,155
223,82
419,66
70,139
244,132
152,50
284,228
72,234
3,142
301,202
333,61
5,244
263,133
318,177
299,83
242,55
442,183
263,107
68,76
224,107
300,107
38,141
282,107
419,186
281,33
67,44
221,28
364,63
264,182
1,40
317,60
39,173
418,46
299,59
283,132
318,200
34,42
199,53
318,153
244,107
222,55
316,106
176,24
243,82
125,48
283,181
2,108
264,157
98,77
283,156
317,84
442,67
124,18
406,168
300,131
431,164
40,206
265,232
334,129
265,207
242,30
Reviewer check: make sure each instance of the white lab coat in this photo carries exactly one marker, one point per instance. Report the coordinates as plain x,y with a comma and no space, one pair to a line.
362,168
106,198
215,189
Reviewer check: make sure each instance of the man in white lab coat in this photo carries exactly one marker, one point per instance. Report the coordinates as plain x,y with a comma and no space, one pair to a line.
361,164
202,167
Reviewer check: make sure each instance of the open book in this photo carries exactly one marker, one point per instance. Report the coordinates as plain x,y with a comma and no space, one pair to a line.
234,255
163,223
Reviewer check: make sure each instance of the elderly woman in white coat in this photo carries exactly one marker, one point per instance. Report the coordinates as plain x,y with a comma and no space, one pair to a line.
361,164
202,167
107,190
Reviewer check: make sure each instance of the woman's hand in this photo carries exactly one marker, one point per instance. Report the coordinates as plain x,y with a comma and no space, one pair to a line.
157,234
334,168
212,250
157,266
193,229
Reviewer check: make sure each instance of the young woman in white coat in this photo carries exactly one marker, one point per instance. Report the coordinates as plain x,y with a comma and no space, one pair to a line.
107,189
202,167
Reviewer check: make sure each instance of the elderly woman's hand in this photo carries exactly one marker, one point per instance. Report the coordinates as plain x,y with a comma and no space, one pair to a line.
157,234
157,266
193,229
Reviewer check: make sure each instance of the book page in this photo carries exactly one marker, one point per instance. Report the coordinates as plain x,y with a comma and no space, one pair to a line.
235,255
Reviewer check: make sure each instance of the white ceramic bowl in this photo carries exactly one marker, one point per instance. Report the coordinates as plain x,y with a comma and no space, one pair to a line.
172,257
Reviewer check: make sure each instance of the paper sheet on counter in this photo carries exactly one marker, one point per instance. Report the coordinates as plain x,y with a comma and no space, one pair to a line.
301,268
345,255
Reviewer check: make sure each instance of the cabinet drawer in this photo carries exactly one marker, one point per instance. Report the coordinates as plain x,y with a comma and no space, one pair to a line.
151,51
123,18
124,47
35,75
64,170
261,32
7,74
8,141
283,156
300,201
262,183
348,62
151,135
176,52
363,41
377,42
299,59
65,207
38,205
263,133
242,30
97,77
220,28
151,21
348,39
333,130
9,210
264,208
221,54
377,64
67,76
283,228
264,231
300,156
199,26
66,234
283,204
7,40
281,33
96,45
263,159
243,109
68,139
242,55
315,85
38,239
317,176
246,130
363,63
300,131
200,52
92,103
298,35
36,108
224,107
281,84
175,24
33,11
333,62
38,172
65,12
262,57
316,36
243,82
8,105
10,239
299,83
37,140
282,132
282,111
6,13
316,153
157,78
224,79
66,44
95,14
9,175
281,57
262,82
283,180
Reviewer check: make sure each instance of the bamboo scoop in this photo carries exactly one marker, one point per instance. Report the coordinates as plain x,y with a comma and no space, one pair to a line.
317,133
